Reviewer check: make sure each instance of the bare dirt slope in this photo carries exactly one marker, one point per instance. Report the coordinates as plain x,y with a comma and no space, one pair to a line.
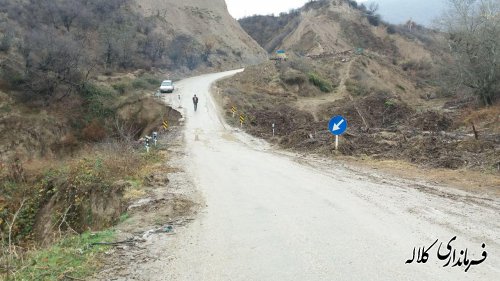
209,24
332,33
275,216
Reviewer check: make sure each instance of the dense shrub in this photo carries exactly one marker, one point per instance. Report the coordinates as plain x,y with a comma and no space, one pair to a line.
374,19
293,77
94,131
96,102
6,41
391,29
121,87
319,82
140,84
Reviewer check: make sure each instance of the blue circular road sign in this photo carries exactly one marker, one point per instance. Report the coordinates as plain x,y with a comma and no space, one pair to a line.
338,125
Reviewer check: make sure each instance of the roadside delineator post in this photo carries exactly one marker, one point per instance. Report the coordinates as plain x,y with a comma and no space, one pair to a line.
165,124
155,137
273,129
147,144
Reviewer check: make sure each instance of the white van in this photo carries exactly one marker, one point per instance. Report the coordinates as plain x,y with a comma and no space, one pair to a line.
167,86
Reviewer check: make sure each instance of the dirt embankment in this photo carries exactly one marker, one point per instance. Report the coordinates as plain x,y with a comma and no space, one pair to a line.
381,124
71,166
113,184
165,202
81,191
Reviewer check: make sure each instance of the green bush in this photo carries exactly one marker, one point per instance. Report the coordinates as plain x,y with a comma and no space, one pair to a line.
97,101
389,103
90,90
121,88
374,19
73,257
319,82
6,42
391,29
151,80
14,78
140,83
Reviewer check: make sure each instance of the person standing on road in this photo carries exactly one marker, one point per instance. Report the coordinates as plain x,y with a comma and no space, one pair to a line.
195,102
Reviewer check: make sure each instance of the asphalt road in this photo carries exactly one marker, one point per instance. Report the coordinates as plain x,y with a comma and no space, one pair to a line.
272,215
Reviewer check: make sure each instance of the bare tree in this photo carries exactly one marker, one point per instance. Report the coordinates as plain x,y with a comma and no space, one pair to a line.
69,11
53,64
473,28
11,250
373,8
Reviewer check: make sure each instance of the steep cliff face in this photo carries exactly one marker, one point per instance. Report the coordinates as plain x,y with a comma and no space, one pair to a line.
204,27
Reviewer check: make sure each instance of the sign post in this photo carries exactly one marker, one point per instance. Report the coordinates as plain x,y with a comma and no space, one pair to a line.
337,126
155,137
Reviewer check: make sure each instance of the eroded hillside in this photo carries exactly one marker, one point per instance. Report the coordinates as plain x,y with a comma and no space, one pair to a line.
203,30
387,80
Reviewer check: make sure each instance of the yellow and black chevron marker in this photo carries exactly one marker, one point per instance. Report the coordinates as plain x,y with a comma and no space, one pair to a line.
242,119
165,124
233,110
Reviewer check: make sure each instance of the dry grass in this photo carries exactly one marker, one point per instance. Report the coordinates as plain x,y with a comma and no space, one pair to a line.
471,181
487,118
134,194
411,51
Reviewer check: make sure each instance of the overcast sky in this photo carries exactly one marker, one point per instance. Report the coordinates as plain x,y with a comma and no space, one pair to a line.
241,8
394,11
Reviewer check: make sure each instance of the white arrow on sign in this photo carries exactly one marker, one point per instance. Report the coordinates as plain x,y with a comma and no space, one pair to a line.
336,127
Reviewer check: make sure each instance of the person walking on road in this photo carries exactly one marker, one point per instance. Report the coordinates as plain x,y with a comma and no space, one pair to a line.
195,102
